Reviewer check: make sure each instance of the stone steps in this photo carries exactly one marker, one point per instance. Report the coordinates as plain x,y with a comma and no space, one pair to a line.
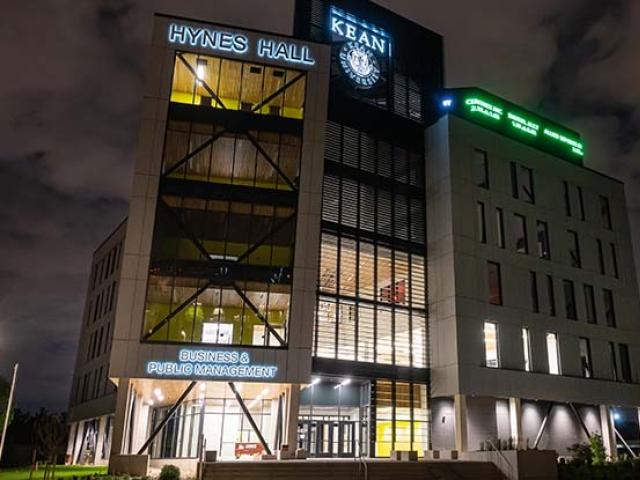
351,470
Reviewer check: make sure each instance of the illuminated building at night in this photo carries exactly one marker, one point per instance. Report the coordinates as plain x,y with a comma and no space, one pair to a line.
327,249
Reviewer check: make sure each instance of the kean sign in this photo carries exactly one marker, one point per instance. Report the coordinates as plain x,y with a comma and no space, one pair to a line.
211,364
364,46
239,43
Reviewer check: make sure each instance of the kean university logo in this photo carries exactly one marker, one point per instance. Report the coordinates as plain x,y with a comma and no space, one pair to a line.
360,64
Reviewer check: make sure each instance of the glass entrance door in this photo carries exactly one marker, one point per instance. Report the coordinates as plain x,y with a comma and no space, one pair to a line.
328,438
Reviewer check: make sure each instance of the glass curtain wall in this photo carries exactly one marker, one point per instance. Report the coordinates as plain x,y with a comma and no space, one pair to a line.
400,417
371,304
222,255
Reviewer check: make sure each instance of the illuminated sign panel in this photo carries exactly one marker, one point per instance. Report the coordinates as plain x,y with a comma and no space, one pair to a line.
214,364
515,122
364,47
238,43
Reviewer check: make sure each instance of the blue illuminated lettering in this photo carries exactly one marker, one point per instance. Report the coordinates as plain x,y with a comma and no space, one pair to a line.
350,28
206,38
211,364
289,52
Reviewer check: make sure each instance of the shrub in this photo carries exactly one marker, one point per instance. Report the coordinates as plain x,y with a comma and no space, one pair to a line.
169,472
598,453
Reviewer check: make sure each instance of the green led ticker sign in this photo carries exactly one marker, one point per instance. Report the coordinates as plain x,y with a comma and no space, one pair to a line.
515,122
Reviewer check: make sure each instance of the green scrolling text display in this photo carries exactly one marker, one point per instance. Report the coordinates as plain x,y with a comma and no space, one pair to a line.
517,123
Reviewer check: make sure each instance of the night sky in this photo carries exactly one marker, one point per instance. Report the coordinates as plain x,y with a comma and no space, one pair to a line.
70,100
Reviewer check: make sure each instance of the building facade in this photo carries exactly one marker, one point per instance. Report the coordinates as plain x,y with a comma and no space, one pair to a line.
327,250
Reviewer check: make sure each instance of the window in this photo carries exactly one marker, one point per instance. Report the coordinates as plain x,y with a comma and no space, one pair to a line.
551,296
543,240
581,204
522,183
625,363
600,256
500,226
567,199
609,309
521,234
480,168
526,349
491,344
482,227
614,260
495,283
514,180
234,85
614,362
574,249
553,353
605,212
533,281
590,303
526,184
569,300
585,357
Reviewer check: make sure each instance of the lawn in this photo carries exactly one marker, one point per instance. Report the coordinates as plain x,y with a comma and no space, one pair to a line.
62,471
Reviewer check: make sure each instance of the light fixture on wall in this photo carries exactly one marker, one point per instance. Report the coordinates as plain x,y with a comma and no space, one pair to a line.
201,68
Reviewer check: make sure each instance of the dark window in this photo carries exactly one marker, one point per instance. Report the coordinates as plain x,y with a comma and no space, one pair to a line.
522,183
581,203
614,362
535,303
569,300
585,357
500,227
609,309
625,363
590,303
574,249
600,256
495,283
605,212
526,184
567,199
614,260
543,240
522,245
514,180
552,296
480,168
482,227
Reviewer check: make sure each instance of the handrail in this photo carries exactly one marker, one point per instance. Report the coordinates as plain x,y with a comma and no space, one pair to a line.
504,457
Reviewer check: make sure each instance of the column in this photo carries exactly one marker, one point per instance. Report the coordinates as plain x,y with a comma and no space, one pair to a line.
102,421
515,421
460,413
293,409
608,432
120,416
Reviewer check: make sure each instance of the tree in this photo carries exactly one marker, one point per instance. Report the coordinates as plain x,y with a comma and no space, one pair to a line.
50,432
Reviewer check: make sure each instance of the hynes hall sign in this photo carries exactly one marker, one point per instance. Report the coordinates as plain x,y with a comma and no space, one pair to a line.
239,43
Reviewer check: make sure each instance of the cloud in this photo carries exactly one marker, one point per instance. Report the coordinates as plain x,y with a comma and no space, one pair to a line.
72,93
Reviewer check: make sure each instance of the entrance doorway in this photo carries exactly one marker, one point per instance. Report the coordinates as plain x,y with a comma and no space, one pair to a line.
328,438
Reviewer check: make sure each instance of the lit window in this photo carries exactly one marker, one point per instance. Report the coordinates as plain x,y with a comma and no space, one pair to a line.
585,357
495,283
491,344
526,349
553,353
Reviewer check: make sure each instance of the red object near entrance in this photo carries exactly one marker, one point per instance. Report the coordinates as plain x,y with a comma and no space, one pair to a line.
248,448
